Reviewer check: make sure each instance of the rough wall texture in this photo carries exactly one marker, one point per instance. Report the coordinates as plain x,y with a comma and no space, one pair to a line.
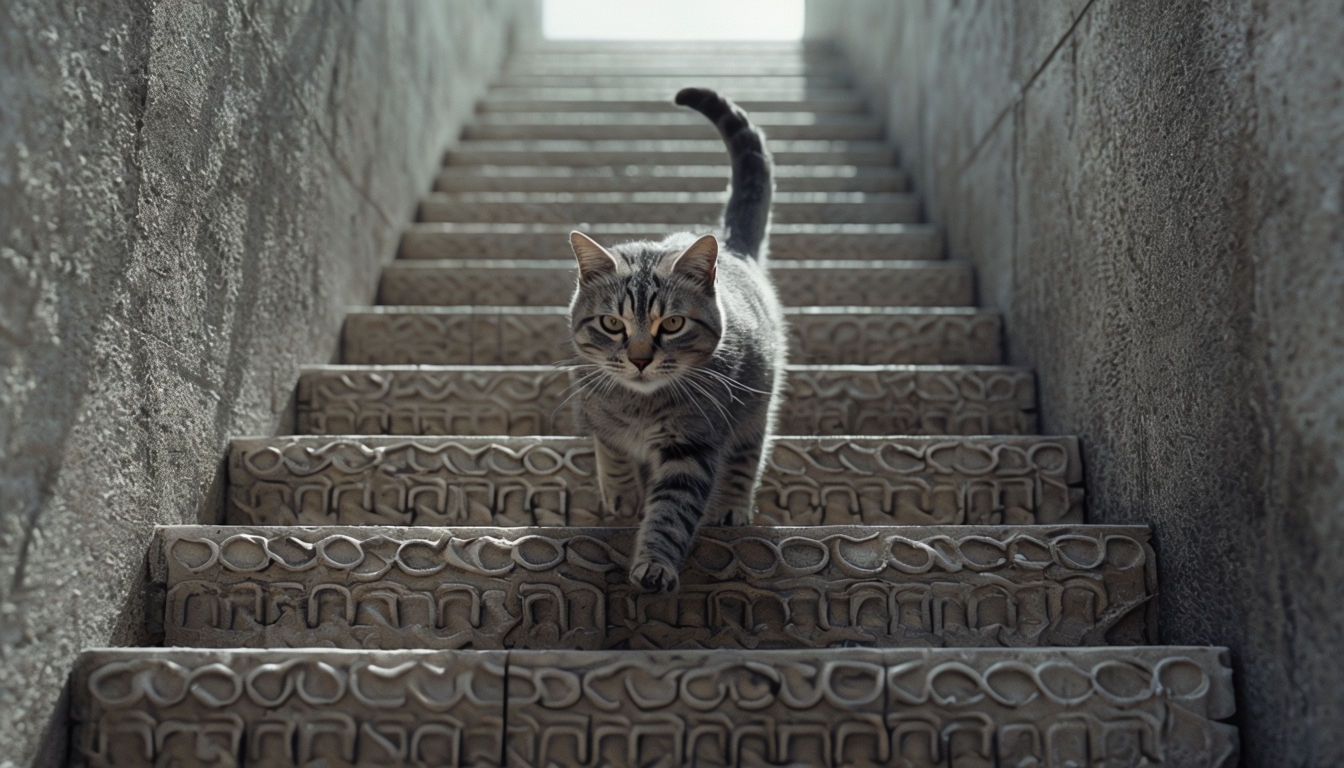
1151,190
189,194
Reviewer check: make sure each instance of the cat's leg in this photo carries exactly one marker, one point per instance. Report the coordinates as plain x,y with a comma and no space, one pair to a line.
617,481
734,499
681,478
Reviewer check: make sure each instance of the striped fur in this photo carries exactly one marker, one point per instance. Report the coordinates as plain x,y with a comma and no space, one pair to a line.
679,350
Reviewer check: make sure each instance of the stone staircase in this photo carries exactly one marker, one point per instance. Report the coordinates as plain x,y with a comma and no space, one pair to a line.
419,576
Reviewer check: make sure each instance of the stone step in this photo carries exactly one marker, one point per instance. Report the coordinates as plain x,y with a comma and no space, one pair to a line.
834,707
474,335
464,480
645,207
781,126
649,100
751,587
711,177
551,282
788,242
527,400
727,83
574,69
583,153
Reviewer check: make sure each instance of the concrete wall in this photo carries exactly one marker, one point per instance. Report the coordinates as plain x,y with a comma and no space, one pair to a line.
1151,191
190,192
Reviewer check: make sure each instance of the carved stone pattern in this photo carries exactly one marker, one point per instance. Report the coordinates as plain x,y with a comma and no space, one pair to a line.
496,338
465,481
426,242
466,178
286,708
528,401
913,707
440,207
528,153
477,283
894,339
487,401
455,338
919,401
747,587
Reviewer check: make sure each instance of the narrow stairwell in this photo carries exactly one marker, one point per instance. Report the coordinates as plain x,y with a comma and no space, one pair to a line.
419,576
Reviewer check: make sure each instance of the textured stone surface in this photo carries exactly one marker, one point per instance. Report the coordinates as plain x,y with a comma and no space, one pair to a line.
704,208
528,400
467,335
189,193
665,124
581,153
583,100
890,242
664,178
460,480
801,282
1159,217
747,587
818,708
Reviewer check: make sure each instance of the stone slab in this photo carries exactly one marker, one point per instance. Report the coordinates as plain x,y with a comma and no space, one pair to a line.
939,707
800,282
788,242
778,126
504,481
578,153
529,400
633,208
748,587
647,100
710,177
470,335
670,82
834,707
157,707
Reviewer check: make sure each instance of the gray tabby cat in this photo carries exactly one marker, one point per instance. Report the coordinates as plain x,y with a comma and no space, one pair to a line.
681,347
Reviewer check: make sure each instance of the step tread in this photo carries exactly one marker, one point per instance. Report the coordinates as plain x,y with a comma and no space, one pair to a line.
468,335
814,707
551,480
800,282
526,400
566,587
793,208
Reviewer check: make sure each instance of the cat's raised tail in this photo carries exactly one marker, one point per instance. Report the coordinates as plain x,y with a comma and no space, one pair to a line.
746,219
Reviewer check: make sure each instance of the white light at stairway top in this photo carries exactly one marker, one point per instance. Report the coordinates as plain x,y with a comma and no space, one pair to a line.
672,19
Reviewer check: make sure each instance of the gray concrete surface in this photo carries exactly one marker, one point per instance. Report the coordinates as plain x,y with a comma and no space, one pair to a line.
189,195
1151,191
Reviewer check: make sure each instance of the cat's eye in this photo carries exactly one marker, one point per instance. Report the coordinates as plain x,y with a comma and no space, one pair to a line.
612,324
671,324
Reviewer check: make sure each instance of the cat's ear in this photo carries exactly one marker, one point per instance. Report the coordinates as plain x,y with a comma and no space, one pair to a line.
594,260
698,261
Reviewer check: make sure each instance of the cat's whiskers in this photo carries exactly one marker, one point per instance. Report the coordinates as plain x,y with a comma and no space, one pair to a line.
706,394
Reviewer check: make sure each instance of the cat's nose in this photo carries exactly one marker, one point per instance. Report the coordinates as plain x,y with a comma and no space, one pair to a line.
641,362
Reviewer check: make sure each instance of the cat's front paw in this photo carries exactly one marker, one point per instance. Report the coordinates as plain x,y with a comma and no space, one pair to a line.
654,577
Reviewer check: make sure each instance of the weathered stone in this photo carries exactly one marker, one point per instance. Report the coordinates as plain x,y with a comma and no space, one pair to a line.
834,707
648,100
462,480
152,707
726,83
664,125
474,335
635,208
887,242
664,178
529,400
550,282
747,587
579,153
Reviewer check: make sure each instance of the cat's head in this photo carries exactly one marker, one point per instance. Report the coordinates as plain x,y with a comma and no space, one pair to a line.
646,314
